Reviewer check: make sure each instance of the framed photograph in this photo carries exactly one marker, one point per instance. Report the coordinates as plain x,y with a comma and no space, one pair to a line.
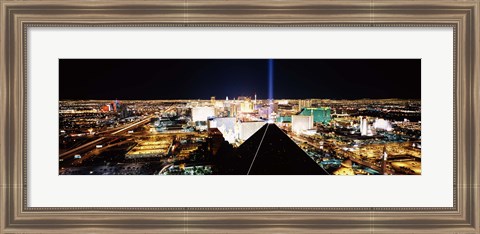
240,116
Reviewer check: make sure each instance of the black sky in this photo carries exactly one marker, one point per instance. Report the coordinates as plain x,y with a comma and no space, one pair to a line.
138,79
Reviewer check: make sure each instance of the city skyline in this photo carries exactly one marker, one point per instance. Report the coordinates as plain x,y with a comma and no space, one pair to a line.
240,117
190,79
241,137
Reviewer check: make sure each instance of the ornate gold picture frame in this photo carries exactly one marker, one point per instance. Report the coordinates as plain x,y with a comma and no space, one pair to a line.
17,16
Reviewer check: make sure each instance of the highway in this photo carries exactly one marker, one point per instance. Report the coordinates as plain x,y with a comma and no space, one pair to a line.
165,168
130,126
96,151
84,146
102,139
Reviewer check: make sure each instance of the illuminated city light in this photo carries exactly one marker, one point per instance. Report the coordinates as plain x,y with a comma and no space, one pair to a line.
270,79
239,135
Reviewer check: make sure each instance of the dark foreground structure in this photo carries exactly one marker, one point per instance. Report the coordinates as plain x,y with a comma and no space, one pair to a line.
272,153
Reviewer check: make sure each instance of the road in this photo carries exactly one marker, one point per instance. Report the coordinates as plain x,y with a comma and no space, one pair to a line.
102,139
96,151
84,146
354,159
130,126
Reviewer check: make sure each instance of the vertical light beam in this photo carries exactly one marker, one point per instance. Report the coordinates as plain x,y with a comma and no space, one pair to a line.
270,79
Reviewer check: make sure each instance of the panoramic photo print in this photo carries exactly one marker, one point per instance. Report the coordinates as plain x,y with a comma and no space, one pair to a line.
239,117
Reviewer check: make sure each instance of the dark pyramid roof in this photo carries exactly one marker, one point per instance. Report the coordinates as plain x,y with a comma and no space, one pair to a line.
277,155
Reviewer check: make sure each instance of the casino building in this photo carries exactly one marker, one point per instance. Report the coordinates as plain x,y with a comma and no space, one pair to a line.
320,114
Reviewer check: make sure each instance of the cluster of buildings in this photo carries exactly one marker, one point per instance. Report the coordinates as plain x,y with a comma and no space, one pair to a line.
342,136
116,107
77,117
239,118
150,146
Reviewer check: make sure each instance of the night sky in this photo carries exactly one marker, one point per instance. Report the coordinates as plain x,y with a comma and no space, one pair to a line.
158,79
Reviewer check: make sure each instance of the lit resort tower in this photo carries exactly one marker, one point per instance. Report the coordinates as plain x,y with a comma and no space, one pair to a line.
319,114
271,113
363,126
246,106
384,160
